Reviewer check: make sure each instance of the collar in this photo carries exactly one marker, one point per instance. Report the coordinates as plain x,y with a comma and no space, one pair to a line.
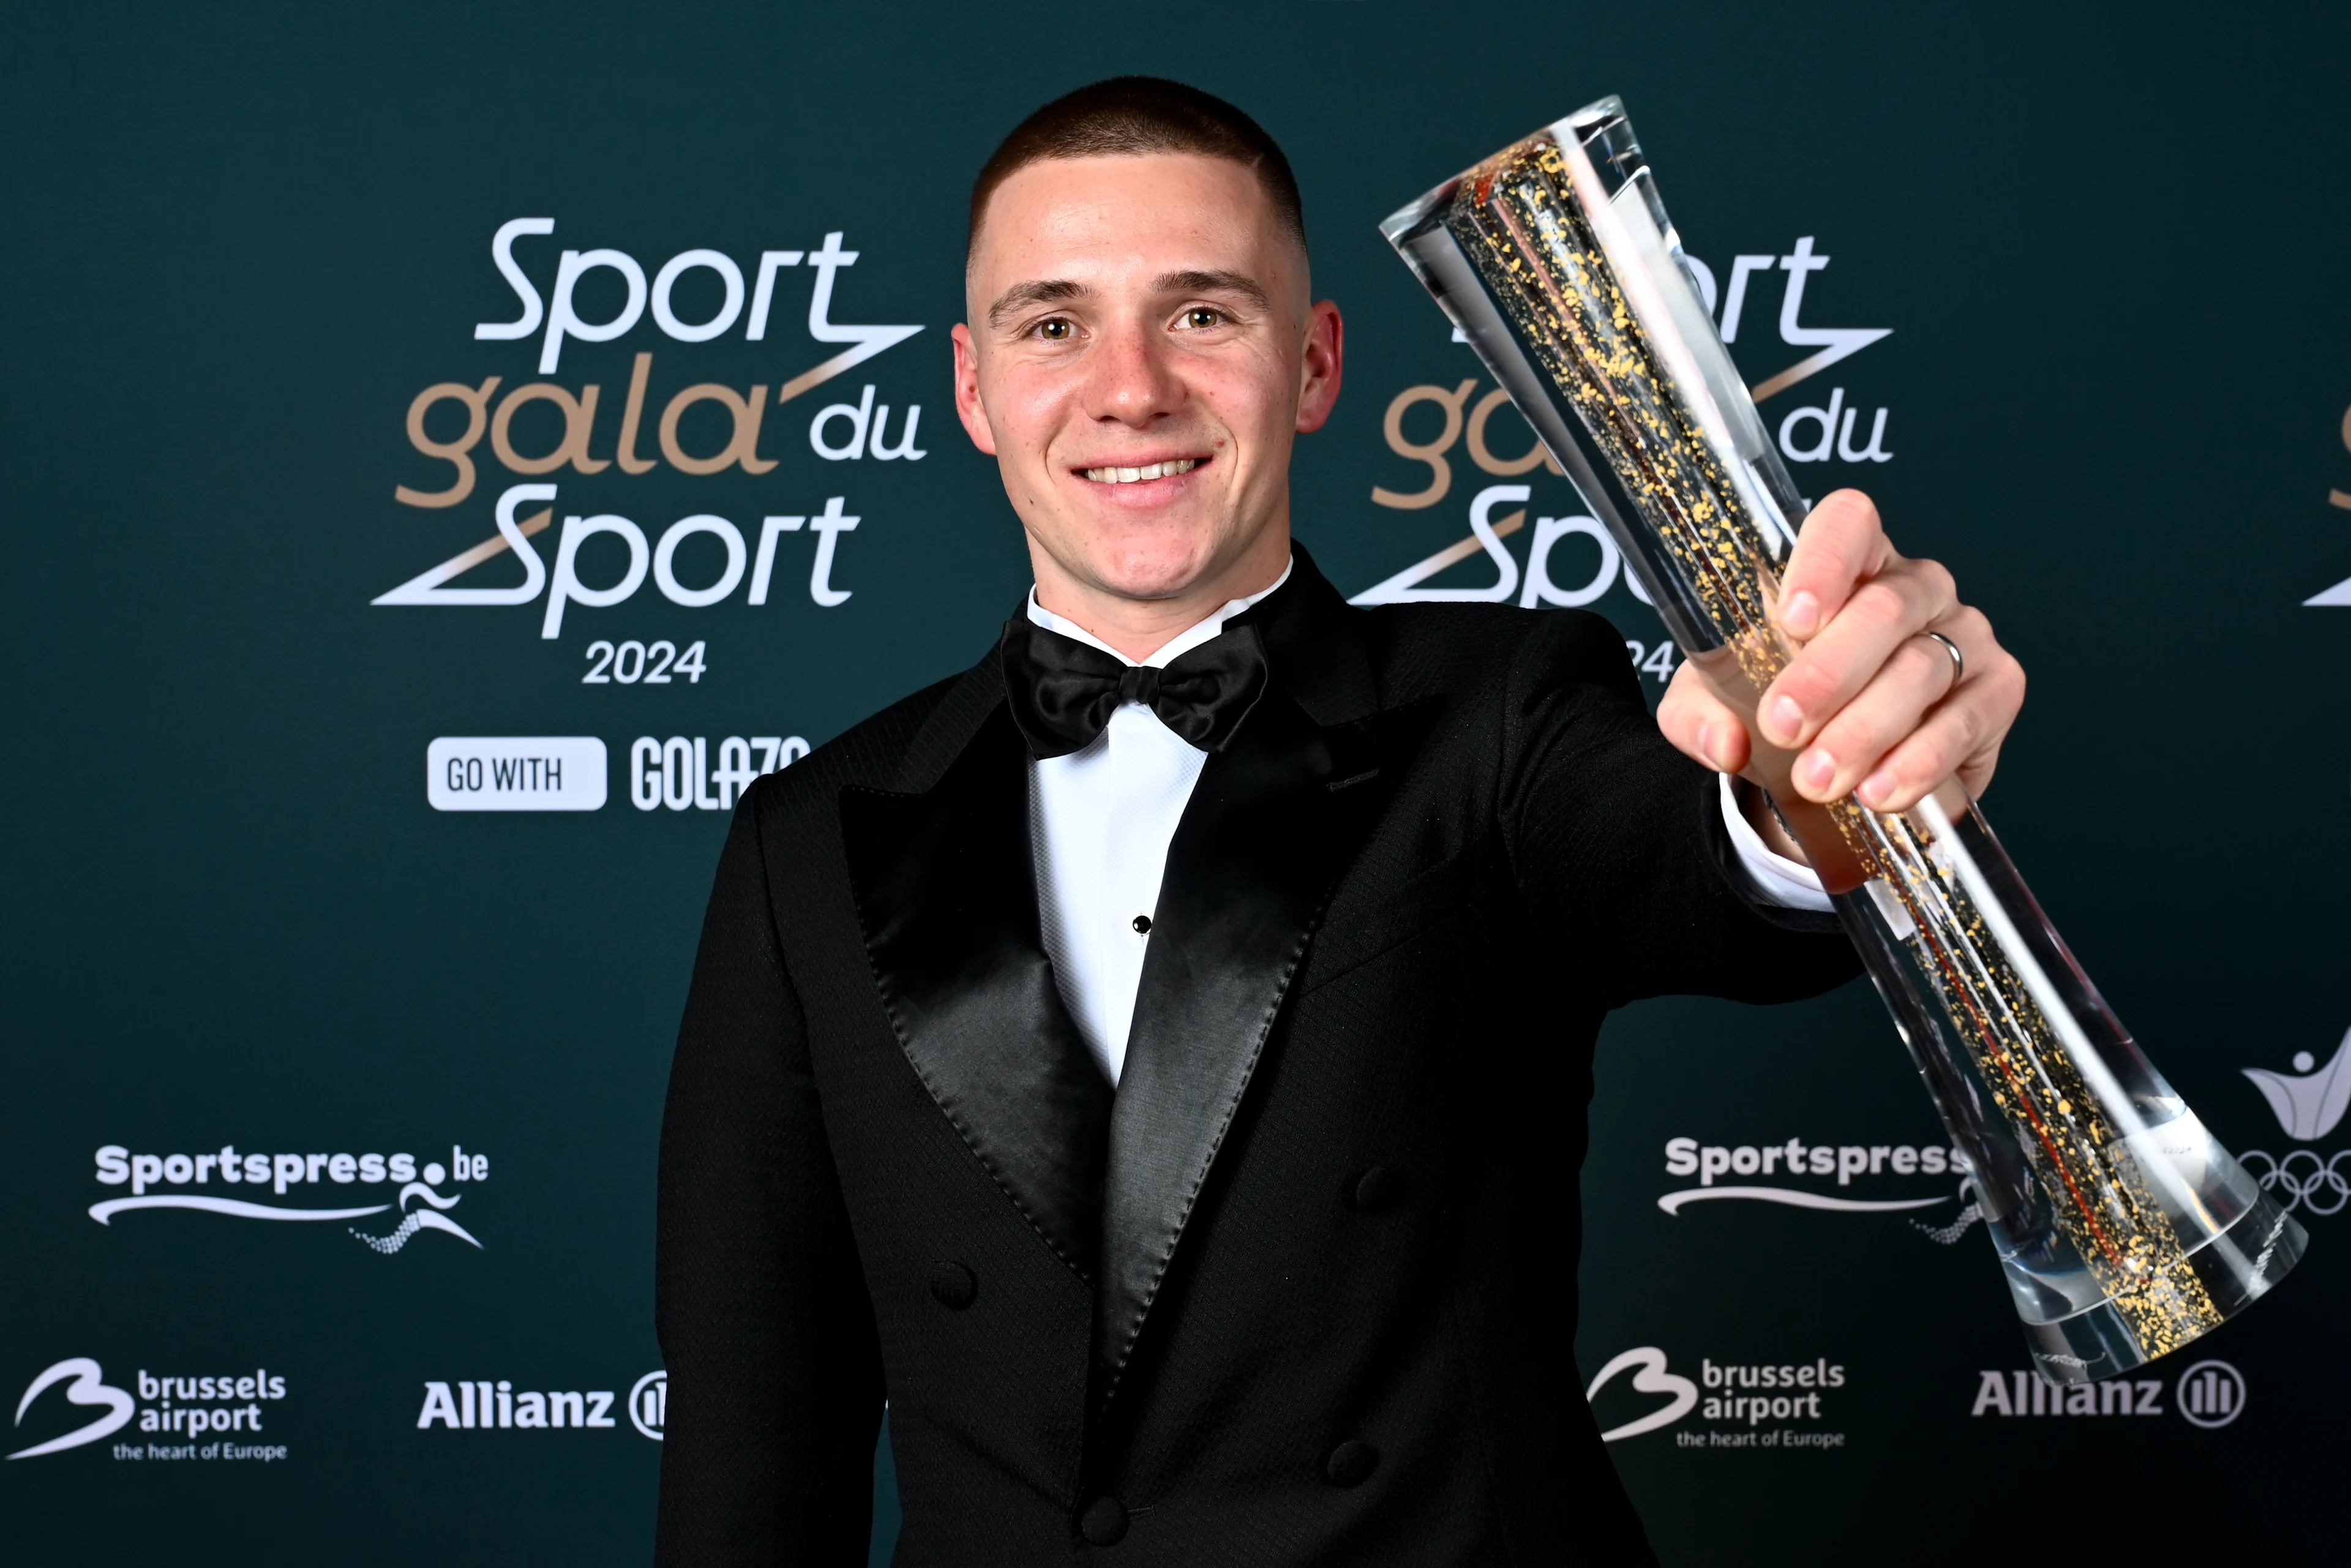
1183,642
1318,651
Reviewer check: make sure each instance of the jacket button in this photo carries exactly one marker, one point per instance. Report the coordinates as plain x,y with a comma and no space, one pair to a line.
1351,1464
955,1286
1377,1189
1105,1521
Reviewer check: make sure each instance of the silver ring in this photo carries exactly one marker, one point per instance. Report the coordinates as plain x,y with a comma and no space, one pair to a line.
1959,660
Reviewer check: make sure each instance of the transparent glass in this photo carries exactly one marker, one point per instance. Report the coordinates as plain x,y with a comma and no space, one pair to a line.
2125,1230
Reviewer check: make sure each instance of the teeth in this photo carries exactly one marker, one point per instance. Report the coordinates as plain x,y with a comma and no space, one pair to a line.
1168,469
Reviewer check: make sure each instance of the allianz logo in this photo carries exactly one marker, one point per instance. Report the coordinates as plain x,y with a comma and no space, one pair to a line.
238,1183
2309,1103
496,1405
176,1411
1777,1167
2207,1393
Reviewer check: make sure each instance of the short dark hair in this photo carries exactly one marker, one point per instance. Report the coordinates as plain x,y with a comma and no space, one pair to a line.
1126,116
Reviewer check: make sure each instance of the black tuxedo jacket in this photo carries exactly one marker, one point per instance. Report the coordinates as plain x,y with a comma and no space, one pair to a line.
1304,1290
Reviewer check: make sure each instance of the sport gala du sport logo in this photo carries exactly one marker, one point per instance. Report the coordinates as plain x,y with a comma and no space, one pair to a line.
608,445
234,1184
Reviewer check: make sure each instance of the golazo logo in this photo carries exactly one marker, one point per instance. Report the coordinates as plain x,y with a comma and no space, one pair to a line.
279,1175
482,1404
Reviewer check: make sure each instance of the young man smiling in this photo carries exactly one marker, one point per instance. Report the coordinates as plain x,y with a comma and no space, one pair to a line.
1088,1054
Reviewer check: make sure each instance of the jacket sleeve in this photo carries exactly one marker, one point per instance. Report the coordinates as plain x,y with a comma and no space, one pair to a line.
766,1328
1617,842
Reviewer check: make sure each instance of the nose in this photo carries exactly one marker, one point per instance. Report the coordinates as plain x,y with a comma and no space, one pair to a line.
1131,380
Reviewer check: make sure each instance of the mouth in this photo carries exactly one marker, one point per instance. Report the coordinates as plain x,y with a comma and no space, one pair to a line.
1166,469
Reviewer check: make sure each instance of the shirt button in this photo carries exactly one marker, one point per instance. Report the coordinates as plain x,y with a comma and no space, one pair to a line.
1351,1464
1141,925
1105,1521
953,1286
1377,1189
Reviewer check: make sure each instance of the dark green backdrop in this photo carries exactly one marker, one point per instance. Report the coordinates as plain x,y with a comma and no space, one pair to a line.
2110,249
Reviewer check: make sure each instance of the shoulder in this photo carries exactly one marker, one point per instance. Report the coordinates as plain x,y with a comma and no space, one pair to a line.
872,753
1458,650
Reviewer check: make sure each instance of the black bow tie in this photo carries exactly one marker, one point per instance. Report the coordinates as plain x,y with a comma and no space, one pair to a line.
1063,692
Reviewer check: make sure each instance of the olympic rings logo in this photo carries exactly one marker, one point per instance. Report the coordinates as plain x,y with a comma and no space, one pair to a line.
2321,1187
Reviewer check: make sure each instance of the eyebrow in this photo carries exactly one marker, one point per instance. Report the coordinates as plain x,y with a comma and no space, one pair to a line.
1020,296
1055,291
1239,283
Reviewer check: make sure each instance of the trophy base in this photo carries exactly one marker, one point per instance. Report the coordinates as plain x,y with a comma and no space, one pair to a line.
2236,1267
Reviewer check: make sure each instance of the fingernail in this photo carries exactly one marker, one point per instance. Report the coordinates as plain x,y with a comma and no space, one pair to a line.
1786,720
1875,788
1799,613
1710,745
1815,770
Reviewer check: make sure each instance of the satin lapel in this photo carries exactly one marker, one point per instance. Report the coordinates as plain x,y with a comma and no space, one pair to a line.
1273,823
946,892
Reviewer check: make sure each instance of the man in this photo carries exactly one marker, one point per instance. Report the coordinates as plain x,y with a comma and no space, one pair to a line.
1092,1054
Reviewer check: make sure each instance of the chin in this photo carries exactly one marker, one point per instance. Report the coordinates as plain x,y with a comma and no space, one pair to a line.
1151,570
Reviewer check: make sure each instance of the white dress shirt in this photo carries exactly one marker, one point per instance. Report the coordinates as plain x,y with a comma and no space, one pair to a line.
1101,820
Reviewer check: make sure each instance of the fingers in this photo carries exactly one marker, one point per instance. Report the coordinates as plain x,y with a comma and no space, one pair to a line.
1842,546
1870,634
1871,706
1911,727
1961,734
1700,724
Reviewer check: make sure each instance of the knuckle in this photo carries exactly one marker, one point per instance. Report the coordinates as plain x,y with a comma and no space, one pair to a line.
1880,603
1923,663
1814,686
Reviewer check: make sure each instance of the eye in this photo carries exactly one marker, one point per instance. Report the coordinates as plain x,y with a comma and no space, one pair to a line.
1054,329
1200,317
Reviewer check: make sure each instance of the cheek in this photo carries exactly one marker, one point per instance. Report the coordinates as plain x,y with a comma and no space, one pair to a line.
1026,410
1252,401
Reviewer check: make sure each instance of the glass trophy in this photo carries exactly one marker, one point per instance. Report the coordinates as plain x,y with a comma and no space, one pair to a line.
2125,1230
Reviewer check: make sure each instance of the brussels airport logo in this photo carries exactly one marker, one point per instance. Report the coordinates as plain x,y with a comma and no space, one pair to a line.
2309,1103
705,428
1829,1178
498,1404
1749,1405
173,1413
1429,426
234,1185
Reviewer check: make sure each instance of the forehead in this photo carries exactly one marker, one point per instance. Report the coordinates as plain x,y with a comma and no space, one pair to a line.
1058,218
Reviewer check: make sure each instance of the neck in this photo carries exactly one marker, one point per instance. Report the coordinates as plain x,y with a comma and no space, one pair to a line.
1140,627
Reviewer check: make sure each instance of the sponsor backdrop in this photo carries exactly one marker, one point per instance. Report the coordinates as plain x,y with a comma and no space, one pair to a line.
450,453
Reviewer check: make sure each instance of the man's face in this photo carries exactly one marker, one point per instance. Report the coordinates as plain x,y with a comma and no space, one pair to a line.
1141,352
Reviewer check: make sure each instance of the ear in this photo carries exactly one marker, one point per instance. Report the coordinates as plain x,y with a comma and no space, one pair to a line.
1319,366
968,407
